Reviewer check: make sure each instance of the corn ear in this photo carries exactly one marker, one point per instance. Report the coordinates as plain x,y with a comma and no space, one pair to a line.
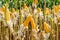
7,15
46,28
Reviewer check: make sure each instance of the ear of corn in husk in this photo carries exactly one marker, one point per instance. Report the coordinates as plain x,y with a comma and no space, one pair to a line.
13,11
35,1
26,22
2,9
47,28
29,19
56,9
7,15
25,6
38,10
47,11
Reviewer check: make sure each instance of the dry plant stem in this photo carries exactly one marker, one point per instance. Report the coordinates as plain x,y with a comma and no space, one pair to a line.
51,29
54,23
44,14
21,20
16,29
6,33
10,35
57,31
3,32
36,19
11,32
26,35
54,30
40,29
14,26
0,32
30,32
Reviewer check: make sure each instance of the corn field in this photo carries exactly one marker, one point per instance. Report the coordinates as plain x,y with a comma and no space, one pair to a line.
29,19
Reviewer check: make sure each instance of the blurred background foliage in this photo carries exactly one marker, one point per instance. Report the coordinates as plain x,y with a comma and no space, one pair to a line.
16,3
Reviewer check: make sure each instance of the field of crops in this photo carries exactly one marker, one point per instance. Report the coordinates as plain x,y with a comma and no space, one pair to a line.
29,19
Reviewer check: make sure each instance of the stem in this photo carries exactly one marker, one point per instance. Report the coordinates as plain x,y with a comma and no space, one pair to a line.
0,29
57,31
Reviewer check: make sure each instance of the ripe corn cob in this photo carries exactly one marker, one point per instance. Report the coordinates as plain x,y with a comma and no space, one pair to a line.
25,6
2,9
38,10
56,9
29,19
35,1
47,28
13,11
48,11
7,15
